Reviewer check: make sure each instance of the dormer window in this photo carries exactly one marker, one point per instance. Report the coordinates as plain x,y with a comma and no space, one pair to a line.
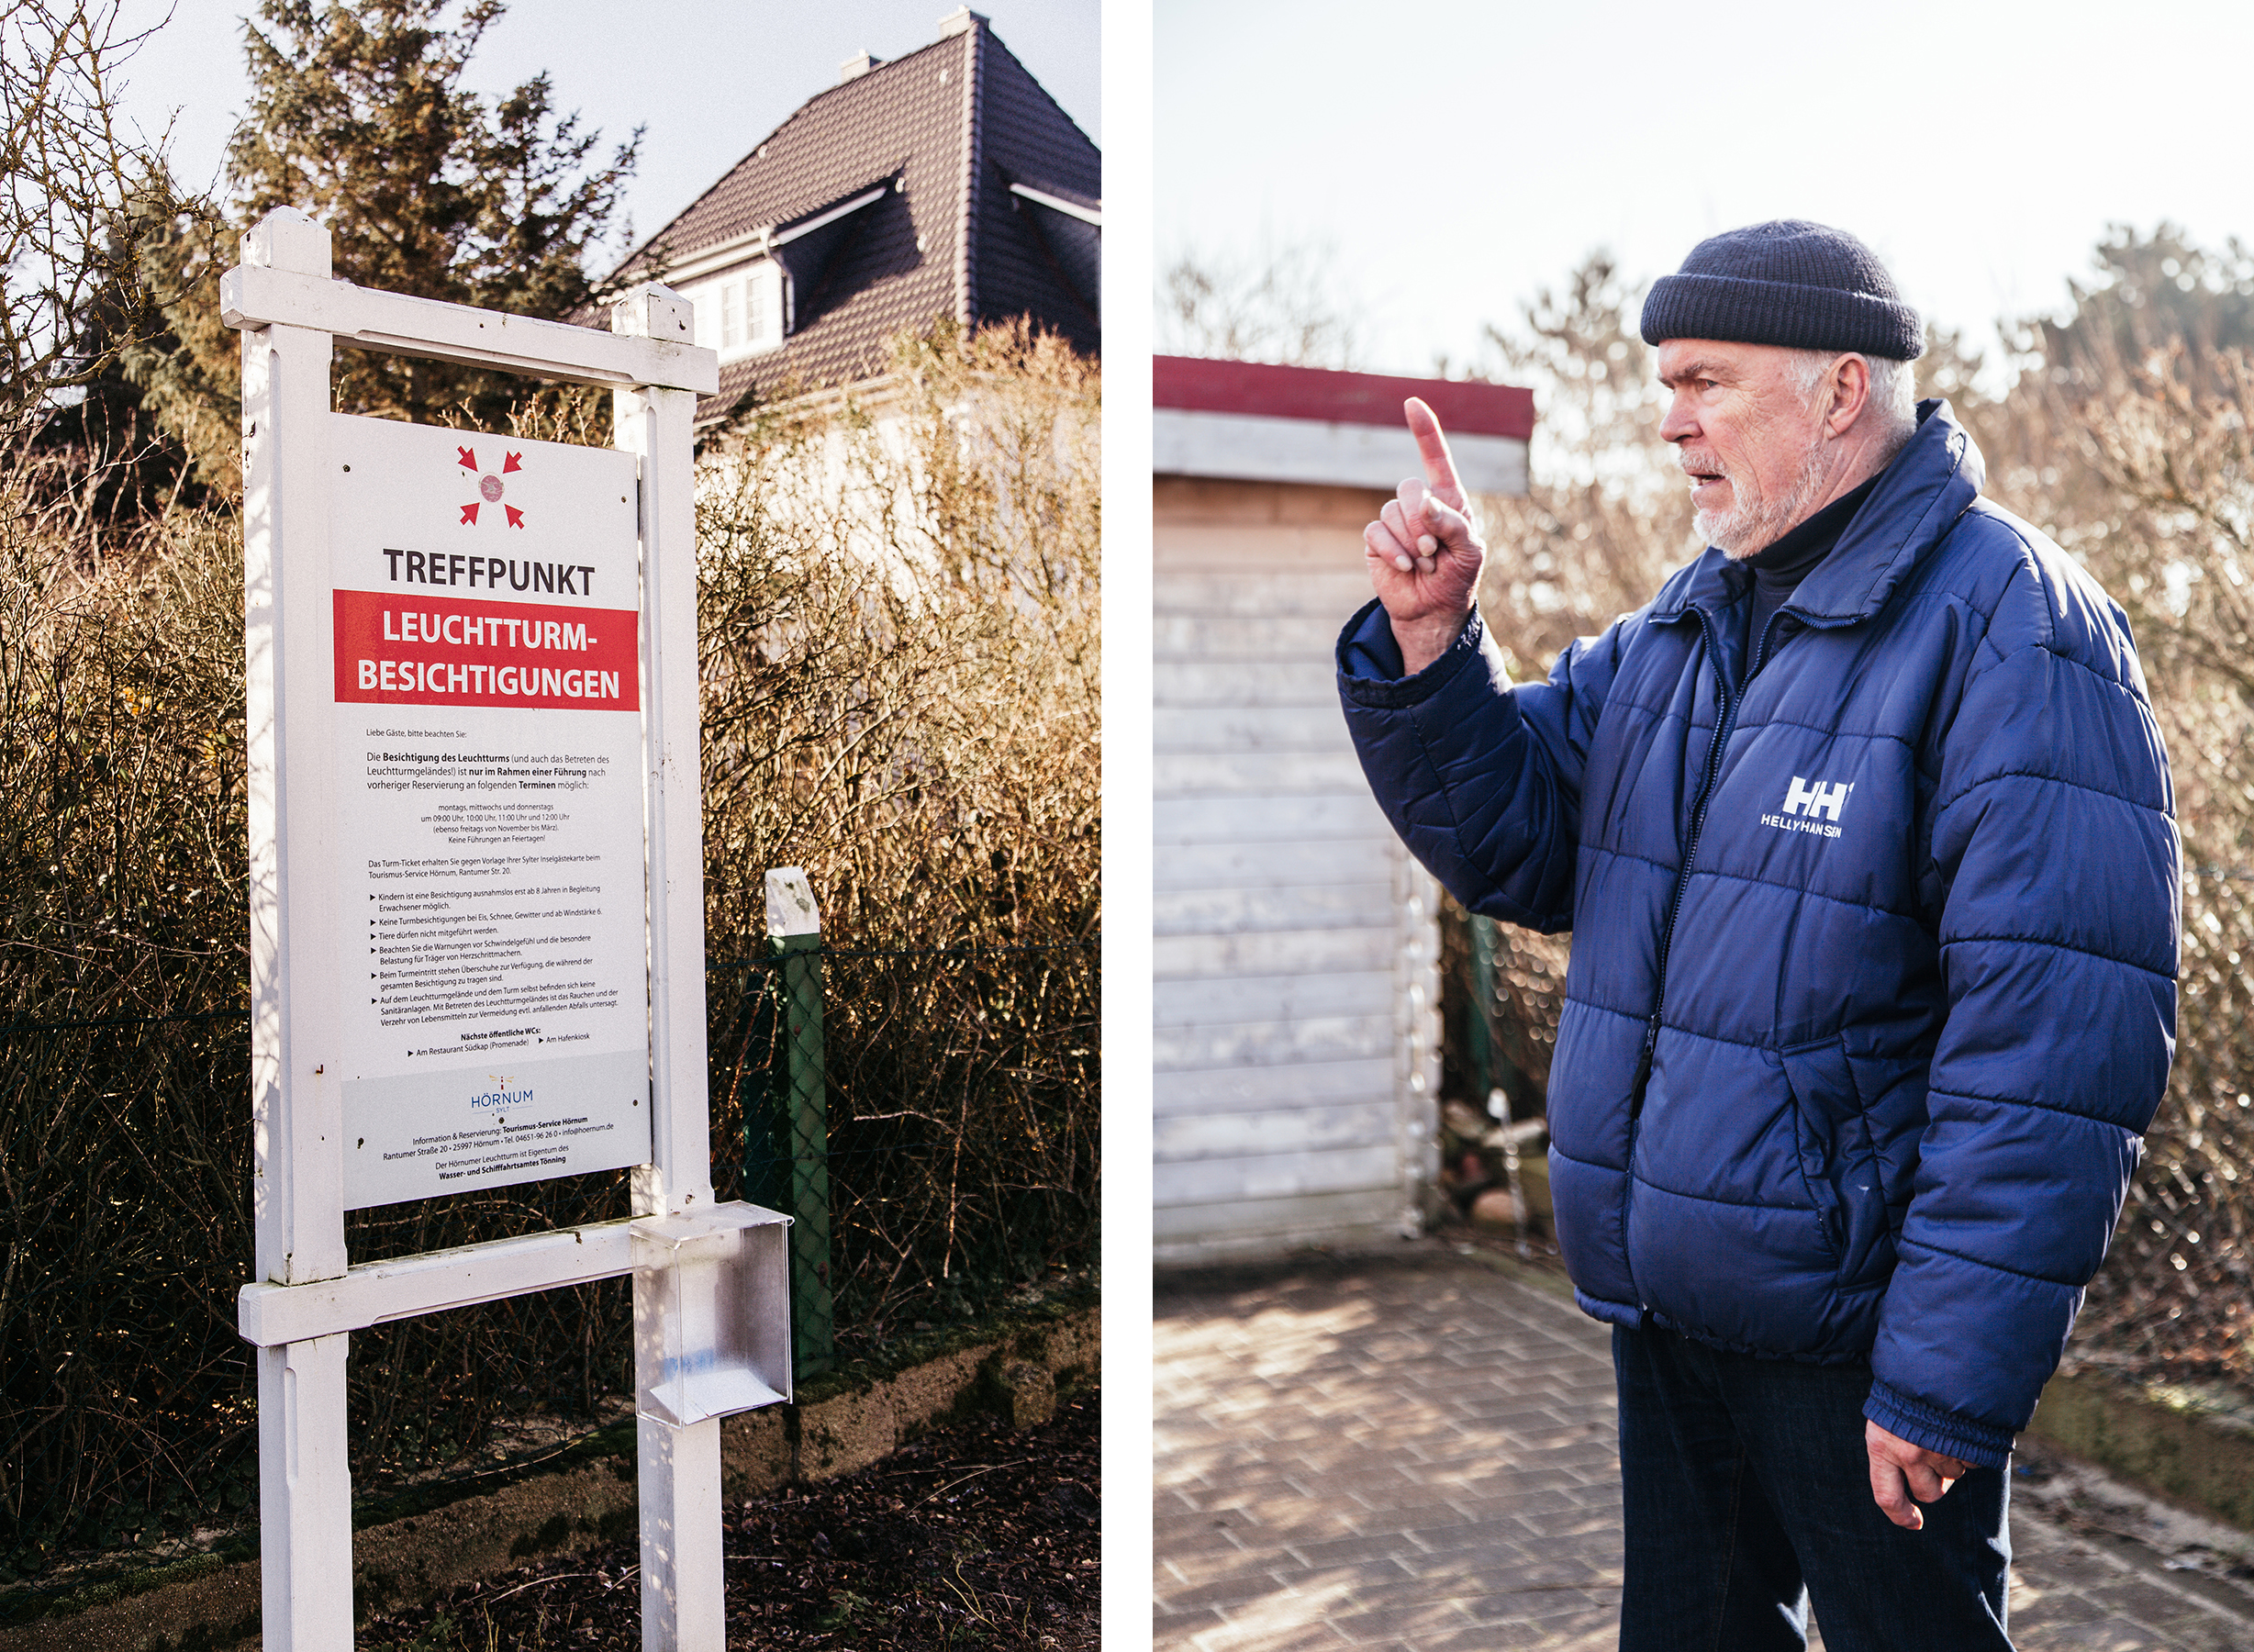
745,312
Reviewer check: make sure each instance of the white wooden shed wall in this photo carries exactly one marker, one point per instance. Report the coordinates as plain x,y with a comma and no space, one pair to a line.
1297,945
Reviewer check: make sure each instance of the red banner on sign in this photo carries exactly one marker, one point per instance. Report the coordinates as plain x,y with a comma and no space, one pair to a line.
441,651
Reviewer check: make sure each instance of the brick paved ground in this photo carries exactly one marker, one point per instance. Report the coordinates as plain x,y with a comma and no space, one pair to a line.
1415,1452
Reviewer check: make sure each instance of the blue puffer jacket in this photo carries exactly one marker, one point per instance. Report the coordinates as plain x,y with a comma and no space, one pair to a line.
1872,996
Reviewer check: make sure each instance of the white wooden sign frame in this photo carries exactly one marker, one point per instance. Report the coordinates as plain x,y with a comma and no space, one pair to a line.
711,1320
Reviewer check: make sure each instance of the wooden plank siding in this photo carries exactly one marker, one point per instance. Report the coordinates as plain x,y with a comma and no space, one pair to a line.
1295,946
1194,1092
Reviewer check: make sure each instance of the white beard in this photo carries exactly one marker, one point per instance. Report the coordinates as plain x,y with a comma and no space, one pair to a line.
1743,530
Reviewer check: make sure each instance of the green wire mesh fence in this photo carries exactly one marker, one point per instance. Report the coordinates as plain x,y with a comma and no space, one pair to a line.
928,1117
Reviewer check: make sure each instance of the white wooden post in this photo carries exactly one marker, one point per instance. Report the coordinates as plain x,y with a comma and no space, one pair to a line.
656,423
304,1491
679,1466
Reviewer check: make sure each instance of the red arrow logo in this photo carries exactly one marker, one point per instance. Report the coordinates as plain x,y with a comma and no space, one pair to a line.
489,485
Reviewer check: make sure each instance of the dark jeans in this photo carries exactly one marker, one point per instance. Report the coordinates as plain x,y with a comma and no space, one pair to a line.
1747,1494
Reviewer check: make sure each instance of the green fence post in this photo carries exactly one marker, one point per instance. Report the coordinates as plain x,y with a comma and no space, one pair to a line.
764,1096
1479,1026
794,932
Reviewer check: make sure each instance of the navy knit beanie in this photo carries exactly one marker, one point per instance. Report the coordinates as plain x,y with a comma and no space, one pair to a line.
1786,281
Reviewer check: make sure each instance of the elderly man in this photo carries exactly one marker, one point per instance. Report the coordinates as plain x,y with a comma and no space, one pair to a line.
1864,829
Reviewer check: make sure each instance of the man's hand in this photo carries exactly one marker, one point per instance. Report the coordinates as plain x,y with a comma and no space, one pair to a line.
1900,1471
1422,553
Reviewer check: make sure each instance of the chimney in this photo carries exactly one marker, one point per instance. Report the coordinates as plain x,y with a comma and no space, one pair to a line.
960,20
853,68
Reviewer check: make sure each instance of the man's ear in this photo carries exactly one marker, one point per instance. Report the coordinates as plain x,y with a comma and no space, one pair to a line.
1849,386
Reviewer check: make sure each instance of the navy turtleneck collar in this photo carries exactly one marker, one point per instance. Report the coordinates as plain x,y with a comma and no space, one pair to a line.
1779,566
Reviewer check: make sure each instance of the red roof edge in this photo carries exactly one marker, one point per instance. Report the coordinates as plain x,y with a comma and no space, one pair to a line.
1258,389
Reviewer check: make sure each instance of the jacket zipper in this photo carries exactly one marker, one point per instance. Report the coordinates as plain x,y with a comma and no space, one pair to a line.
1723,730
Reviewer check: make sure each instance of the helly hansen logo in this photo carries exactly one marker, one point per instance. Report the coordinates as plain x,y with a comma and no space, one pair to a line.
1802,799
1812,807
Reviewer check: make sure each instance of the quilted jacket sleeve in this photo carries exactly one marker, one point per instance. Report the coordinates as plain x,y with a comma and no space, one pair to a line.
1482,780
2058,869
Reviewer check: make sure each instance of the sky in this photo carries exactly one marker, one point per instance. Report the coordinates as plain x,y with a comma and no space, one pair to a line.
1454,157
707,79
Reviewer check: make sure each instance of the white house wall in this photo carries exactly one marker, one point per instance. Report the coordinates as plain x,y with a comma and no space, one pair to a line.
855,481
1295,946
851,486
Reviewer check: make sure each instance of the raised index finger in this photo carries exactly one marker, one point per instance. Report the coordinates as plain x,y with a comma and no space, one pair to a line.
1433,449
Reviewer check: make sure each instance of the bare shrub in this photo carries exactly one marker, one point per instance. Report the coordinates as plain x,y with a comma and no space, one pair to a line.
900,654
74,181
124,1146
901,666
1280,305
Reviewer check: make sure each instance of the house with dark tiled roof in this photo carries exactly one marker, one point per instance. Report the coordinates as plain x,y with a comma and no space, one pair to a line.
943,184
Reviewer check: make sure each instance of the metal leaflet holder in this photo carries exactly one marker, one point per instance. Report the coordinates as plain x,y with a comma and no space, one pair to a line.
722,1343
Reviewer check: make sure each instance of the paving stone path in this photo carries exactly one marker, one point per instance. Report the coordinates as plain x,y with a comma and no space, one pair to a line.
1415,1452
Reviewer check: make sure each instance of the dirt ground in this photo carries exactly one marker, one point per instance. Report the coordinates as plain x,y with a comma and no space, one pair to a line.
974,1537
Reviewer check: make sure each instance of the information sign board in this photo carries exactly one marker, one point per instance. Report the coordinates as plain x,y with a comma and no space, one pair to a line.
476,895
489,809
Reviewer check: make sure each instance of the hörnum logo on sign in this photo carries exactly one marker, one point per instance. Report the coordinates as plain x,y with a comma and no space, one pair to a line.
498,1094
1812,808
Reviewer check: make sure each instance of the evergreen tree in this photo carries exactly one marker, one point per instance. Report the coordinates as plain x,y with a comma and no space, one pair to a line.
358,117
2152,293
